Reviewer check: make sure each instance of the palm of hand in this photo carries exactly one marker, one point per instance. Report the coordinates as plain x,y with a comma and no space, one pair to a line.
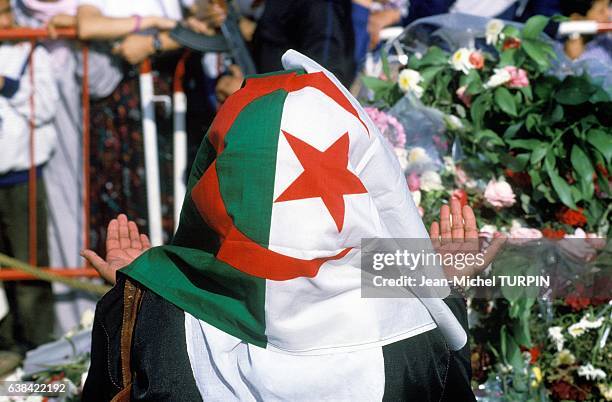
457,233
123,245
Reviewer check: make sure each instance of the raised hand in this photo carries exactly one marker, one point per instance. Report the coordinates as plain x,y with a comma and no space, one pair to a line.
123,245
457,233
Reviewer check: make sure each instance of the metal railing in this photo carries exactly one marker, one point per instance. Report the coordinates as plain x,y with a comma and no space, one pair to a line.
151,162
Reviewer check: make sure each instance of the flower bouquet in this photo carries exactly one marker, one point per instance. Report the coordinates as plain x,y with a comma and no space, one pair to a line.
488,120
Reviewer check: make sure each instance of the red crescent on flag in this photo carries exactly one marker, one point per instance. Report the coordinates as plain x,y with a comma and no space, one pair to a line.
237,249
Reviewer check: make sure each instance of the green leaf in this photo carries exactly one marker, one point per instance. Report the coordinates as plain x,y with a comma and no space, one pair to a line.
587,189
582,164
505,101
600,95
574,91
602,141
527,93
534,50
435,56
507,58
511,30
561,187
534,26
557,114
532,121
488,137
376,84
478,110
538,154
429,73
385,64
544,87
512,130
530,144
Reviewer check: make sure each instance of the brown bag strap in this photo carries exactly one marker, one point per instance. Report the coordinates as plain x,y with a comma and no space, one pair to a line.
132,297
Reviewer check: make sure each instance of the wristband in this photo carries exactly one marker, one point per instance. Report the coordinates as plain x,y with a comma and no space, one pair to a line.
137,23
157,44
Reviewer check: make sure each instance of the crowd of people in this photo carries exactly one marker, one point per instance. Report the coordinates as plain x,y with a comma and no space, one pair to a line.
121,34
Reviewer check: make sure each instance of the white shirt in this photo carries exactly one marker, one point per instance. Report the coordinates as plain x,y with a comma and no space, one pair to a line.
15,111
481,8
146,8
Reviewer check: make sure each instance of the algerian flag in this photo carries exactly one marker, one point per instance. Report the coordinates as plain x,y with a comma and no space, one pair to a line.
290,177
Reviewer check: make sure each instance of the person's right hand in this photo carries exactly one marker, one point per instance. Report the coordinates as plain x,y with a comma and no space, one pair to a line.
123,245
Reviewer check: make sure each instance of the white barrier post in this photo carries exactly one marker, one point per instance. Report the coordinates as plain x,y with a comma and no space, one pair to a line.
151,154
180,140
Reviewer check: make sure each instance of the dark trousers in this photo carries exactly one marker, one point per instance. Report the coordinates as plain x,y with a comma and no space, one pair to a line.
31,318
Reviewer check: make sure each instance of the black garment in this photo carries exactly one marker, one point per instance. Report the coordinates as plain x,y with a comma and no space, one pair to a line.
31,318
421,368
320,29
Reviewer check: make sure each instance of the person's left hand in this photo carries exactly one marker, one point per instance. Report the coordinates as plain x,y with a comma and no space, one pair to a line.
135,48
123,245
457,233
228,84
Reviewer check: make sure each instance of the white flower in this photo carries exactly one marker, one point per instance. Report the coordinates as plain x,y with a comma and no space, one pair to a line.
409,81
591,373
418,156
588,324
430,181
577,329
500,77
555,333
87,318
449,165
416,197
505,368
453,122
33,398
460,60
402,157
493,29
564,358
606,391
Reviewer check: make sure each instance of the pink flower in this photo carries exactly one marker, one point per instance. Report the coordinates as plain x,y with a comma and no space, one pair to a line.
389,127
463,97
519,235
414,183
518,77
499,194
477,60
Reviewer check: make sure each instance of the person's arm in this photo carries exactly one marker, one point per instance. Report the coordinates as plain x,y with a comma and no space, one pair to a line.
136,48
92,24
60,21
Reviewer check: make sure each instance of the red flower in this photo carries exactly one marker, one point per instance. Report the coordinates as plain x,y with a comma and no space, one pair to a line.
571,217
521,179
511,43
535,354
602,169
553,234
577,303
476,59
461,196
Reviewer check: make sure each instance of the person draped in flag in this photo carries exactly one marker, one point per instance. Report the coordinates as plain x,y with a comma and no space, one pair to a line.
258,297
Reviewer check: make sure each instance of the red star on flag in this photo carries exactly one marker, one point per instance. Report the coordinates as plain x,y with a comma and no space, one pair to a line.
325,176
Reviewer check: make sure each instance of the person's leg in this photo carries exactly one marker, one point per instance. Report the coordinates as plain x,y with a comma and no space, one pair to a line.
416,369
458,383
7,338
33,313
